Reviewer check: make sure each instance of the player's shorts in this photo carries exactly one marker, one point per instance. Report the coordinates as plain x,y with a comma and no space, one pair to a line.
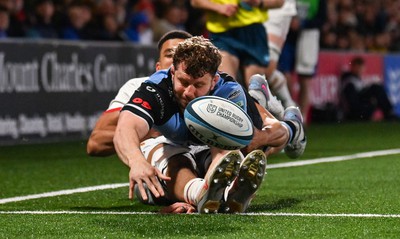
158,151
279,27
287,59
247,43
302,57
307,51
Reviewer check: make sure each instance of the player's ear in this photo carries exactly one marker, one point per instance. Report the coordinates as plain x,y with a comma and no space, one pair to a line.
158,66
214,81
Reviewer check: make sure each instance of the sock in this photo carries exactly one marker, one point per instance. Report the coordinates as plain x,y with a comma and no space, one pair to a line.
192,190
291,128
280,88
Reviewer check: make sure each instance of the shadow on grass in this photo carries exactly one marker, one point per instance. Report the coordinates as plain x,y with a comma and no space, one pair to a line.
277,205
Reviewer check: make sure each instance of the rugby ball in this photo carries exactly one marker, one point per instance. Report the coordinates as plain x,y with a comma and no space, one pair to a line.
218,122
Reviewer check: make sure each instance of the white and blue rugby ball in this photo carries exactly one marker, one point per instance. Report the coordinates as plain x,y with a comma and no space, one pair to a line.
218,122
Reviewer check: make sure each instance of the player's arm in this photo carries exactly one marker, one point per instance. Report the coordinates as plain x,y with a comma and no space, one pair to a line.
273,134
269,4
131,129
100,142
223,9
265,4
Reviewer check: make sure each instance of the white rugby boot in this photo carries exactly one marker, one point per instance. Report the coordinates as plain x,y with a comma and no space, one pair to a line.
259,90
296,147
217,180
251,175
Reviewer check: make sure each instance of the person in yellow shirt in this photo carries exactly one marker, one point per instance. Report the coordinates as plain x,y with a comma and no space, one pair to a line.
236,28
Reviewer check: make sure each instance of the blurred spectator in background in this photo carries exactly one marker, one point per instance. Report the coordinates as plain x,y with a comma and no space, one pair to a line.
359,101
110,30
42,22
80,21
138,24
4,22
362,25
17,17
351,25
173,18
196,21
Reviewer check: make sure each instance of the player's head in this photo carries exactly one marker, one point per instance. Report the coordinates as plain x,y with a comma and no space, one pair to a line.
166,46
357,65
194,70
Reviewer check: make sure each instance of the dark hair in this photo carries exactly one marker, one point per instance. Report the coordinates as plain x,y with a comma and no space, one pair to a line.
174,34
198,55
357,61
4,9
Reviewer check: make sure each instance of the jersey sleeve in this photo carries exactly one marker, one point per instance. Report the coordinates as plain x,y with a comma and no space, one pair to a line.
232,91
125,93
144,104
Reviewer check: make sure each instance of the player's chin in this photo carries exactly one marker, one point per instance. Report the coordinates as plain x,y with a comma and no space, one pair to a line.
184,103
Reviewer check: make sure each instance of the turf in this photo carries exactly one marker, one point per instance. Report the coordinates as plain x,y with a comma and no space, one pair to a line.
360,186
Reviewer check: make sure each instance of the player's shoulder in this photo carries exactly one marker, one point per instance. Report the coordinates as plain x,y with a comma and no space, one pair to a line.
158,76
135,82
230,89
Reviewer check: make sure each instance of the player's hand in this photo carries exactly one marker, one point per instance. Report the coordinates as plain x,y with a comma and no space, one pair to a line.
273,134
227,10
178,207
143,173
277,133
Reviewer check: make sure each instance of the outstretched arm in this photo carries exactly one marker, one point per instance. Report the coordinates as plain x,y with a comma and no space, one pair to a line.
131,129
100,142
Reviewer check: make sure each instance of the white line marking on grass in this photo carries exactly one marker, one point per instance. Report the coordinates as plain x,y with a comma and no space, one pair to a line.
279,165
63,192
335,158
243,214
324,215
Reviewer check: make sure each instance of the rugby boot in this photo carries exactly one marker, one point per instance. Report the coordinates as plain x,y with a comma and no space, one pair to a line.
217,180
251,175
259,90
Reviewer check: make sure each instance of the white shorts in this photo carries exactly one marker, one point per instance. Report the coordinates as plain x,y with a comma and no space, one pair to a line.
159,151
307,51
279,27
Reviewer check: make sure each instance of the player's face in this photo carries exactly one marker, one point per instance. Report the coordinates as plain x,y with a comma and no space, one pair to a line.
186,88
166,53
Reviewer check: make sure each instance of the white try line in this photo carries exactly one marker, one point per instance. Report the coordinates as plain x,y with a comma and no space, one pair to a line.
279,165
194,214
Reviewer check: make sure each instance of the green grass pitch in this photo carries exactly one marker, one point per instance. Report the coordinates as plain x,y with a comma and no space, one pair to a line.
357,198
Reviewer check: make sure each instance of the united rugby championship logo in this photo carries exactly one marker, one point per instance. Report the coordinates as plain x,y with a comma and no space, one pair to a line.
211,108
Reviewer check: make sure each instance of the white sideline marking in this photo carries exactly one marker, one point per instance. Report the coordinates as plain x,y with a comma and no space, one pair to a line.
243,214
63,192
335,158
279,165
